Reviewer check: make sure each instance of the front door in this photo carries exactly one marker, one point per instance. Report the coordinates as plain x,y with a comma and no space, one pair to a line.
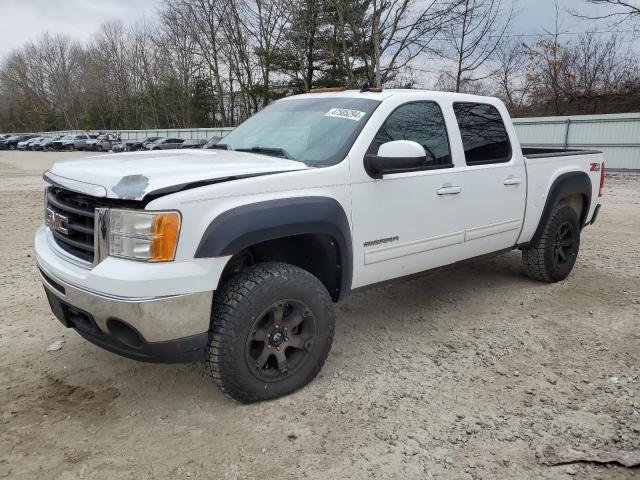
410,221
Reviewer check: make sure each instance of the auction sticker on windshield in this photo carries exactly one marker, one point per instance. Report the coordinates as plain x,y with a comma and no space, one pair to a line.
355,115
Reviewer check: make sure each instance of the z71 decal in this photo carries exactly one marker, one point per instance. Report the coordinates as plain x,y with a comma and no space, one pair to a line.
595,167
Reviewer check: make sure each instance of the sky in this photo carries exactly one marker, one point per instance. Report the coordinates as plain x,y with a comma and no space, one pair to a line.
23,20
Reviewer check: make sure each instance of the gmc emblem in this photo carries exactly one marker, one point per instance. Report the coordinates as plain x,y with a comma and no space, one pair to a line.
55,221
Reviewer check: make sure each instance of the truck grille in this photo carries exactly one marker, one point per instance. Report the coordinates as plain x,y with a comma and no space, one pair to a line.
70,217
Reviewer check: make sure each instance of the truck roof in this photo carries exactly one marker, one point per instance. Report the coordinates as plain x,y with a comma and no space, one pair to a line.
388,93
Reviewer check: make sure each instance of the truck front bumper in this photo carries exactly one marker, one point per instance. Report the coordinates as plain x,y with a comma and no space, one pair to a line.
110,322
142,311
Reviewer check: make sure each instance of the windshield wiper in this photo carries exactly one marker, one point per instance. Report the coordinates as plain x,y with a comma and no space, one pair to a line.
273,151
219,146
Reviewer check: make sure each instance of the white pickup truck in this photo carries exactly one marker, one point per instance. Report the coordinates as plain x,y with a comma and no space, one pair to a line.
236,255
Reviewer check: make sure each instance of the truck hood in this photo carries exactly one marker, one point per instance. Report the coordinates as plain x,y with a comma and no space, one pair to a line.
134,175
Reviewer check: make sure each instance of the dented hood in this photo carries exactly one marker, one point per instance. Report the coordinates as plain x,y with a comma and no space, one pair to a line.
134,175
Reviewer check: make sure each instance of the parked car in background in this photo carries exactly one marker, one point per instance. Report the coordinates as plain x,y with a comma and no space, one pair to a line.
139,143
23,145
92,137
212,141
31,142
106,142
193,143
72,142
165,144
47,143
34,144
118,147
11,143
90,144
60,143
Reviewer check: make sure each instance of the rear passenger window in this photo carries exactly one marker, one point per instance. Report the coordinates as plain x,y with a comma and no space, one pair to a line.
420,122
484,136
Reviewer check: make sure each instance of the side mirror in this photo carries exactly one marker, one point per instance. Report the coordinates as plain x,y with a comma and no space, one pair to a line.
396,156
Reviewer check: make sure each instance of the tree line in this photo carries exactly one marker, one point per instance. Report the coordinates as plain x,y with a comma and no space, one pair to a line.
204,63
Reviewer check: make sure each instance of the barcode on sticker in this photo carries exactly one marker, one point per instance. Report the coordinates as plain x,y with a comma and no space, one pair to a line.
355,115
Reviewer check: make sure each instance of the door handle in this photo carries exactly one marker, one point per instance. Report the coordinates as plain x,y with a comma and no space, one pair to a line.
512,181
449,190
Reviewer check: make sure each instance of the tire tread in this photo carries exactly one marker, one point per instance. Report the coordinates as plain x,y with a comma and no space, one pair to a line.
534,257
226,315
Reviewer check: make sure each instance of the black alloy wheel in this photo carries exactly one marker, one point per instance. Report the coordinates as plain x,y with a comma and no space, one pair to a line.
280,341
564,243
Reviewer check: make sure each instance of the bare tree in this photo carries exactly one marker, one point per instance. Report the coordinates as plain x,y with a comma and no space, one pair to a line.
270,17
400,31
45,77
205,20
619,10
514,86
474,37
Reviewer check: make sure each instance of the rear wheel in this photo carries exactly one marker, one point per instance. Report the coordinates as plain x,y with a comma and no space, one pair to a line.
272,329
552,258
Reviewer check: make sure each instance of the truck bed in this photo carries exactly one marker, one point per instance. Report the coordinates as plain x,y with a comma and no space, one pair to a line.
544,166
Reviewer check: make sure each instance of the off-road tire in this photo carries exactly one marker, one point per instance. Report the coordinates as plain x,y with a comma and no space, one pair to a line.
540,260
238,306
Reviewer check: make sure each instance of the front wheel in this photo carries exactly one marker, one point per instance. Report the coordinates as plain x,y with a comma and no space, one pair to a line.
271,331
553,256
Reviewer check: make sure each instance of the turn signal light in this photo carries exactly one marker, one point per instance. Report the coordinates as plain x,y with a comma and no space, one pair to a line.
164,234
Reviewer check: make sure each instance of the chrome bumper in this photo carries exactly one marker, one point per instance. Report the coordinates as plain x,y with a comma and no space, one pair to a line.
171,324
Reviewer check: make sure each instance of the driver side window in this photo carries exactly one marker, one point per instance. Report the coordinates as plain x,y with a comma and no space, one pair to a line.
421,122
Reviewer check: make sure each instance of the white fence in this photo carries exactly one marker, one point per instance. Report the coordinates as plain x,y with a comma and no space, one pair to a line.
186,133
617,136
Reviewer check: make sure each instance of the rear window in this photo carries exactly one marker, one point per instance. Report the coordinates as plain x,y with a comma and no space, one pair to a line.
484,136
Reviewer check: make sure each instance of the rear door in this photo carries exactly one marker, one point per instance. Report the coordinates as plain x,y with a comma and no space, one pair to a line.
493,181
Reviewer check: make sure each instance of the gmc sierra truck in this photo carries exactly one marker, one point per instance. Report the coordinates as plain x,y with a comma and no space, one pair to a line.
235,255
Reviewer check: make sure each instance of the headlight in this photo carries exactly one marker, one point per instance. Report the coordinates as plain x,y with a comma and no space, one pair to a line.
148,236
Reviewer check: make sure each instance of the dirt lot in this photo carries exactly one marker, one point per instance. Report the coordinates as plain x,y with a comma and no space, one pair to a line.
458,375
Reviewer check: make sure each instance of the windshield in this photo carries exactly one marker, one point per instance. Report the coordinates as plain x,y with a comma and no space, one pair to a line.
313,130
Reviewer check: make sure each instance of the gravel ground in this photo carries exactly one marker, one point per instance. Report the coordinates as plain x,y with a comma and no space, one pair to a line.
460,375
